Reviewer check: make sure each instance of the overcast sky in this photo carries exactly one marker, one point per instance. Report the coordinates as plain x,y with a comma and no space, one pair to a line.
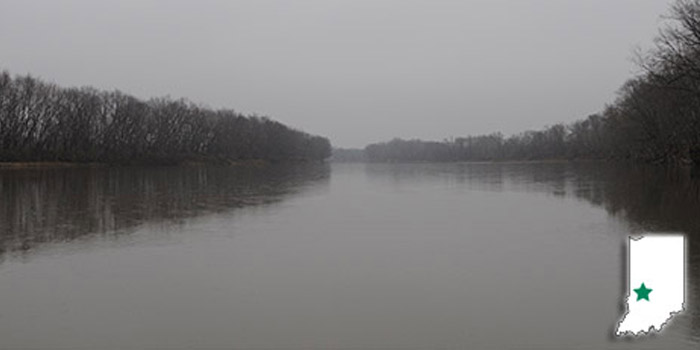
354,71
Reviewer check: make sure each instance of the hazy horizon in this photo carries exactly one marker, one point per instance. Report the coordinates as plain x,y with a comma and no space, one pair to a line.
354,71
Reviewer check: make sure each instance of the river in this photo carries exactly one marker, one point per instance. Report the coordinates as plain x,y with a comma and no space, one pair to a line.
462,255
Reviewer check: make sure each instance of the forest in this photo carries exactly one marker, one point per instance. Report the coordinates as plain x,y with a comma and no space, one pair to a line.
655,117
42,122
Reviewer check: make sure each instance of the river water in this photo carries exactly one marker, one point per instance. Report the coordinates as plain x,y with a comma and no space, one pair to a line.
483,256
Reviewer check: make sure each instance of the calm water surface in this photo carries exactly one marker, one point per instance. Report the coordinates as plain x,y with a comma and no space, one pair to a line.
345,256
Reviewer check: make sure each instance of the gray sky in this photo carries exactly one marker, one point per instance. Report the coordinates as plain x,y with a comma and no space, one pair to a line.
354,71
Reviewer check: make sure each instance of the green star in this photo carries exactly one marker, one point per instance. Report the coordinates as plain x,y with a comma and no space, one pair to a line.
642,292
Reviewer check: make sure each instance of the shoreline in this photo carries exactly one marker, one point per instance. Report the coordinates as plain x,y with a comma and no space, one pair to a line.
154,163
513,161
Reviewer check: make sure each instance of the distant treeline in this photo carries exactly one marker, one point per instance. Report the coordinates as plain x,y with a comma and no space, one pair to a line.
348,155
656,117
43,122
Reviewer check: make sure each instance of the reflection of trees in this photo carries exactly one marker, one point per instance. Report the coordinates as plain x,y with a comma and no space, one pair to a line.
649,198
652,199
484,176
53,205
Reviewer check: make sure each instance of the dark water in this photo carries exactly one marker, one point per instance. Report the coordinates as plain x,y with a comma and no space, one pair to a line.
346,256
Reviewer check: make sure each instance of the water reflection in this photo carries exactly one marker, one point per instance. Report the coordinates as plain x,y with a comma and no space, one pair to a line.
41,206
385,255
647,198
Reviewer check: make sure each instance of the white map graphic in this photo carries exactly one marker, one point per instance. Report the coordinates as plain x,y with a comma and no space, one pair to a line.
655,284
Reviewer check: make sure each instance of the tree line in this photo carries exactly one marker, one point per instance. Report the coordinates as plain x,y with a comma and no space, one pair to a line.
40,121
655,118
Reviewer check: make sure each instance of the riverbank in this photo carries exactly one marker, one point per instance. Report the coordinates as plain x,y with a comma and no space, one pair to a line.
188,162
32,165
498,161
